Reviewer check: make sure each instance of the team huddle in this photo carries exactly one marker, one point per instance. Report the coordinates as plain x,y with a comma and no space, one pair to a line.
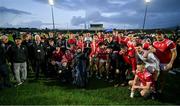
142,62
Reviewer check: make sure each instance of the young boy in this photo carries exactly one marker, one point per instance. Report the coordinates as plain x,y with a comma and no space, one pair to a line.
142,82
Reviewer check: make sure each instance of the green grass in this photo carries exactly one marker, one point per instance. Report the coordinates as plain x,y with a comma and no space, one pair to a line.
48,92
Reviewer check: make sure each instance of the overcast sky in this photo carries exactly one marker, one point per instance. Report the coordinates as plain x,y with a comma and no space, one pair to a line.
75,13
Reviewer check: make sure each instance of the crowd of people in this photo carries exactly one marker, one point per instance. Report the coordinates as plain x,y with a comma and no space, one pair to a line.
141,61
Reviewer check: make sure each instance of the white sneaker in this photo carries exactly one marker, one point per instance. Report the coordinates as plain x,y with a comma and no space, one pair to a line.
172,72
132,95
117,71
60,71
20,83
177,70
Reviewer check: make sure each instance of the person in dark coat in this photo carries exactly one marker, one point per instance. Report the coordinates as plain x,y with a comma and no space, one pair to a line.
19,56
27,42
80,72
38,56
4,70
7,44
177,60
49,53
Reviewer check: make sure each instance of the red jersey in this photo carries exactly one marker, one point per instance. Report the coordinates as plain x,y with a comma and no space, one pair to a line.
80,44
67,58
138,40
163,50
57,56
124,40
94,46
116,38
102,54
72,50
131,45
131,54
100,39
131,61
72,41
145,77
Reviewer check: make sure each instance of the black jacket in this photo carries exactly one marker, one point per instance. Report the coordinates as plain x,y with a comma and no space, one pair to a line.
19,54
38,51
2,55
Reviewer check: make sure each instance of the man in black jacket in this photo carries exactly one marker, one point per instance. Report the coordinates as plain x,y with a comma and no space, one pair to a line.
27,42
49,52
19,55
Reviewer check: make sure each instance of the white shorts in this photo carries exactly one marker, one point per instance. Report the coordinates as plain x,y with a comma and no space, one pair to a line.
102,61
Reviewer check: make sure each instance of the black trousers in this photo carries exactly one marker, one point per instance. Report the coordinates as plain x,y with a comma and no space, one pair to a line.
4,71
39,65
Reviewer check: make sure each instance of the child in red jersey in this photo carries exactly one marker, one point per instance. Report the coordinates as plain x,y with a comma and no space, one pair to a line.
102,56
93,56
56,56
71,42
80,43
129,57
142,82
100,37
67,58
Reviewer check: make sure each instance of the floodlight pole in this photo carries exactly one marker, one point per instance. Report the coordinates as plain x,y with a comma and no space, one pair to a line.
145,15
52,16
51,2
